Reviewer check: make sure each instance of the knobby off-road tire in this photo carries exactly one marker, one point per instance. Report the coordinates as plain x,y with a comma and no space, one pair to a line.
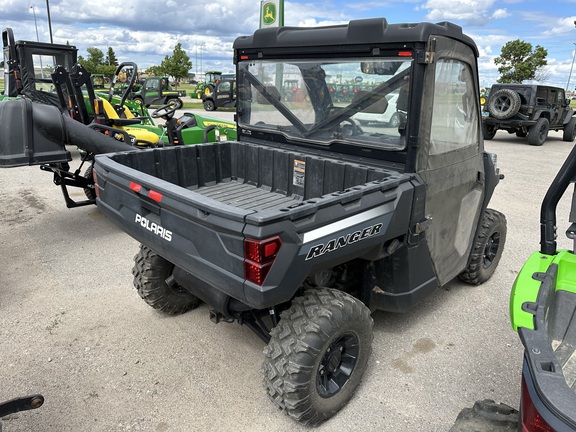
150,273
90,192
487,416
317,354
503,104
488,132
570,130
487,249
538,133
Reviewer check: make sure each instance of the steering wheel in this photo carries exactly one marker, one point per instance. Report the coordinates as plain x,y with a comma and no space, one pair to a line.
349,127
166,111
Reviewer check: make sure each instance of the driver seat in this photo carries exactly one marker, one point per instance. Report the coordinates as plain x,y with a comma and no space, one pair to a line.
105,114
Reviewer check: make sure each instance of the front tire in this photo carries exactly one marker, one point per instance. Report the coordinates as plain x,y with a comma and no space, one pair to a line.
151,272
209,105
318,354
487,249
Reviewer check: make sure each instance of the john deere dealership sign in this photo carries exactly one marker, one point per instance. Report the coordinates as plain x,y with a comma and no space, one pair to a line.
271,13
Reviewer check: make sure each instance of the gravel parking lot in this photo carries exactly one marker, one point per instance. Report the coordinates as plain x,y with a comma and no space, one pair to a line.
73,328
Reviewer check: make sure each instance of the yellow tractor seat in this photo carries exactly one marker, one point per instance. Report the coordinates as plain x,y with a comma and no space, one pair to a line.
107,115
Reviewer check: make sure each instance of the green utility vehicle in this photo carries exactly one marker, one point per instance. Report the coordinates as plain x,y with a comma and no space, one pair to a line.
157,91
223,95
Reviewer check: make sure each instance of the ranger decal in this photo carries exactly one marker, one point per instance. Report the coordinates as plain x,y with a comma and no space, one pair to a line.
332,245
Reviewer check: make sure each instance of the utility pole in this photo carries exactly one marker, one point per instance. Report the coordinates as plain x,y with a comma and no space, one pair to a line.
49,21
571,67
37,39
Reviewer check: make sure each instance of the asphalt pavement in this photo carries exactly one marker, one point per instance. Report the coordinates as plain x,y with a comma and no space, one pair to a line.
73,328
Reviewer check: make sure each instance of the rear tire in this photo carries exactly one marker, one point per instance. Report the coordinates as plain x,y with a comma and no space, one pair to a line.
318,354
150,274
487,249
538,133
488,132
570,130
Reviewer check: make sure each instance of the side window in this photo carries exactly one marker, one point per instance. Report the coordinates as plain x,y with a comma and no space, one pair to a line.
151,84
454,113
224,86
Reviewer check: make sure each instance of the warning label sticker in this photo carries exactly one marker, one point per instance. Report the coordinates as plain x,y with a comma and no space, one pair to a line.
299,173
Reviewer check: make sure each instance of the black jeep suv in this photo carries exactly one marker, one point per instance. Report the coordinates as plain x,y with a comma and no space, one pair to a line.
528,110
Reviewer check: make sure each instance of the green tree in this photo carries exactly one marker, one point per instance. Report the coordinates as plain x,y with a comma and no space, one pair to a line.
520,62
97,63
95,58
178,64
111,59
155,71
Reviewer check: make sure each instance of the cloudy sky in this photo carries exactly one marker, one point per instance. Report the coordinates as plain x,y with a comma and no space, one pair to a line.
144,31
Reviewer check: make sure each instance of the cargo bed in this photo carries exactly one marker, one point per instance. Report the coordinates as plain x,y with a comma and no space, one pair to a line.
195,205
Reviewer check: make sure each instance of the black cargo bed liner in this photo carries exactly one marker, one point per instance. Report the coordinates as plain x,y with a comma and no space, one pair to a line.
247,196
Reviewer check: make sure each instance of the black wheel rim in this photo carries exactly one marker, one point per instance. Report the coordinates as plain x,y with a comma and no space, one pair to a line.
502,104
491,249
337,365
542,133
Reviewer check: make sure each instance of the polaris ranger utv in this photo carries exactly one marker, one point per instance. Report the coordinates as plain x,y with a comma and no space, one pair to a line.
308,222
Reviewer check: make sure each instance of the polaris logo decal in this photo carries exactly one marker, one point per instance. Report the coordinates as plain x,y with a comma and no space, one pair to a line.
153,227
342,241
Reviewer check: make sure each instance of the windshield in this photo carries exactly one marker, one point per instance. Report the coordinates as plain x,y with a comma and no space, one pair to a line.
358,101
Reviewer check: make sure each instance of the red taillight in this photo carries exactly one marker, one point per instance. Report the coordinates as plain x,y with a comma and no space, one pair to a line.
152,194
531,419
259,255
156,196
405,54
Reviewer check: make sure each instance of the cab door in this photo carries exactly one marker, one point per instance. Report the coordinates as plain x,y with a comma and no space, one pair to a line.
150,91
450,156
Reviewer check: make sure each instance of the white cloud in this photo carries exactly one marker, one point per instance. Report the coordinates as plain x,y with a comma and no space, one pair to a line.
476,12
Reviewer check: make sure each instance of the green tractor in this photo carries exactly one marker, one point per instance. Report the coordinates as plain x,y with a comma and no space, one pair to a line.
211,78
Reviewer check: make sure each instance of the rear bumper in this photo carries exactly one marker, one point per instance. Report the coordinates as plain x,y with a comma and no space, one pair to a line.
508,124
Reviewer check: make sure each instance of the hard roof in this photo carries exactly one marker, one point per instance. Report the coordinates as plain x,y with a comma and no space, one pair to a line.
365,31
